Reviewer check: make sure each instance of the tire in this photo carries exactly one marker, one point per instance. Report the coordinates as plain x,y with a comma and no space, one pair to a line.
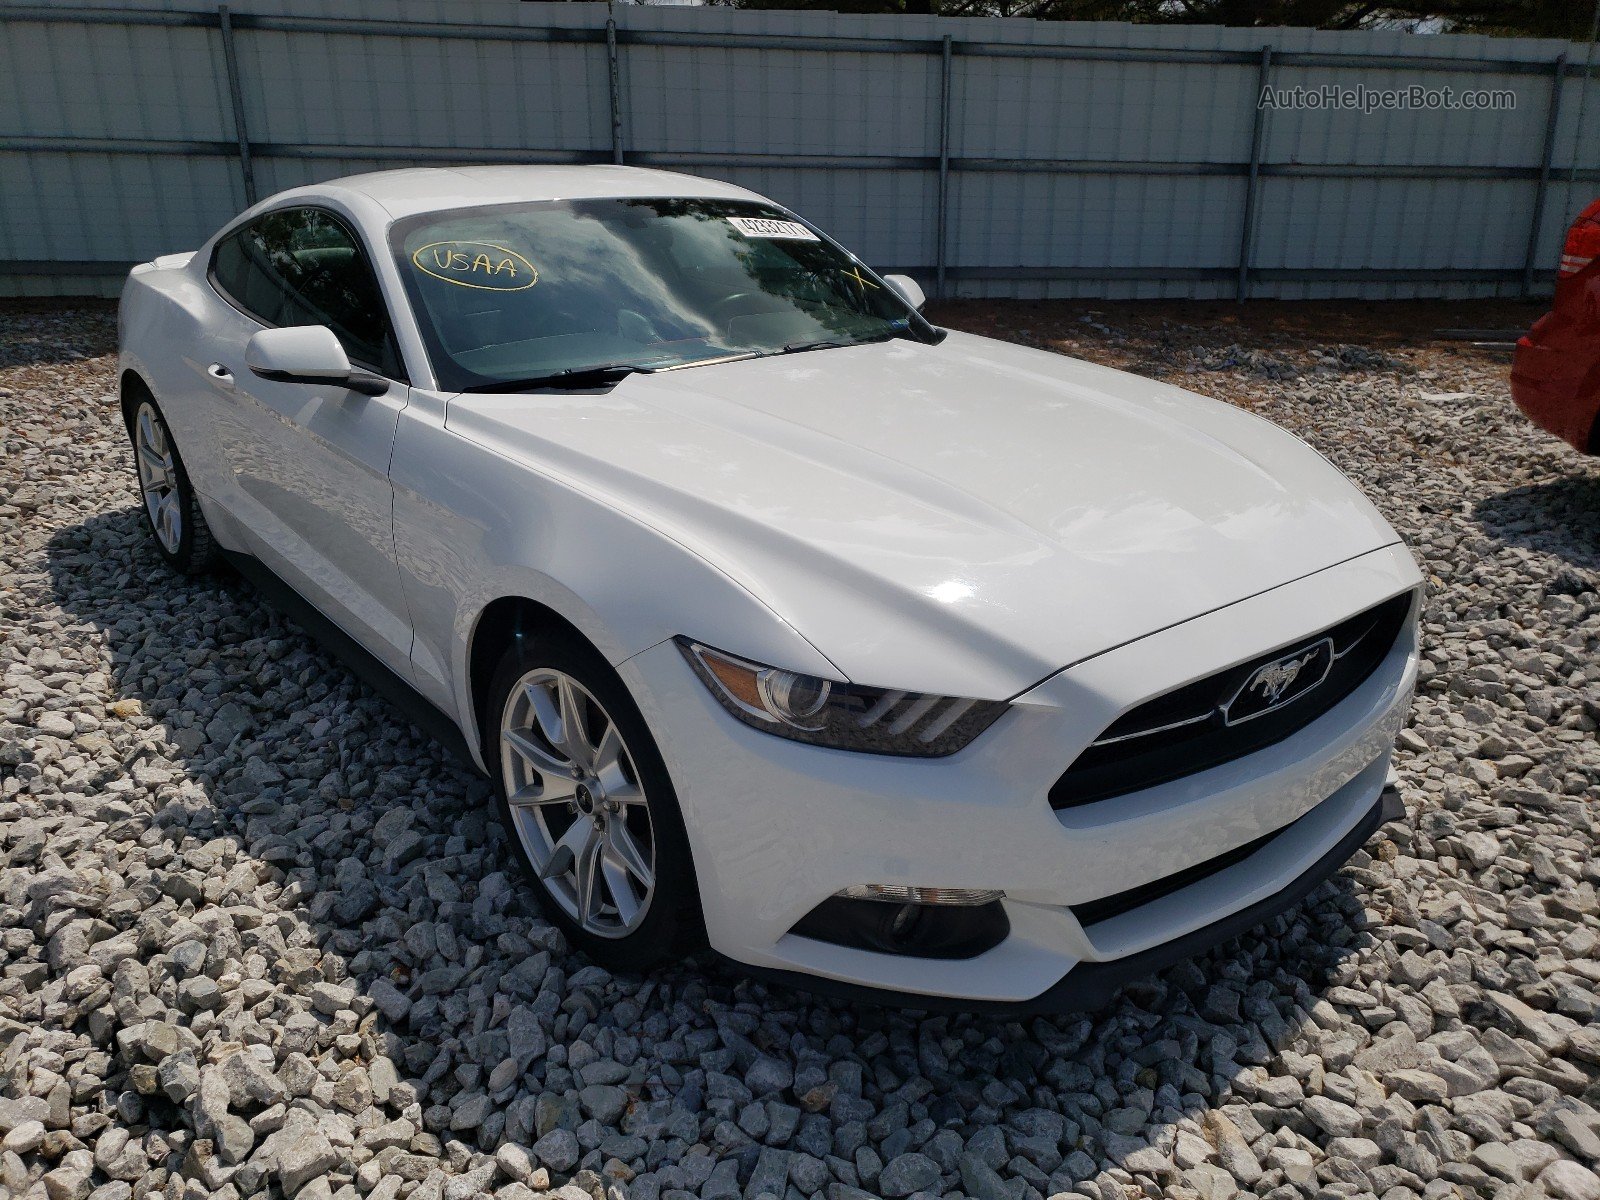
166,497
605,803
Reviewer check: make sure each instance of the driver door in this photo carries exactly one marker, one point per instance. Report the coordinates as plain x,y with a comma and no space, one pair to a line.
310,462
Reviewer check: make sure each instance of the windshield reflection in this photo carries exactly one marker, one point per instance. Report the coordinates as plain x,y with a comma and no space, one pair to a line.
563,293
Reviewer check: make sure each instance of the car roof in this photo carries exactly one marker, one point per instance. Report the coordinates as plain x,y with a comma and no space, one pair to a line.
405,193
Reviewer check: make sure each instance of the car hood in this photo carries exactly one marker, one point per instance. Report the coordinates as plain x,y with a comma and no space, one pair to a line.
968,517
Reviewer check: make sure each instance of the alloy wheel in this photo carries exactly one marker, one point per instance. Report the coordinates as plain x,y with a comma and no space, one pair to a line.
576,802
158,477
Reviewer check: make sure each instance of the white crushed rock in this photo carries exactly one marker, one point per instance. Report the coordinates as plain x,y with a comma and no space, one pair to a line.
260,937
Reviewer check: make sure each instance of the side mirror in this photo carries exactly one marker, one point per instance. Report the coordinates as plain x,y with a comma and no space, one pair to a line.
908,289
308,354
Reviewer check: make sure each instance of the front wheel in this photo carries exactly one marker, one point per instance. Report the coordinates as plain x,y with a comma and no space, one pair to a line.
589,806
172,512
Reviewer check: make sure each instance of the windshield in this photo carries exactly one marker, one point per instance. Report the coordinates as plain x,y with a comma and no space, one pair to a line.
513,295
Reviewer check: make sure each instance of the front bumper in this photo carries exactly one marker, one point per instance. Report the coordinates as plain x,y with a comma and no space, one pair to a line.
776,827
1089,986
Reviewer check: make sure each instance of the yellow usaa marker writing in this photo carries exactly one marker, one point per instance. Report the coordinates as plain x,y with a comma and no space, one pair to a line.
481,265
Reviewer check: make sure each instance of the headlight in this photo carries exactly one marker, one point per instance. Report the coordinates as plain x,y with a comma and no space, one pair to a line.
823,713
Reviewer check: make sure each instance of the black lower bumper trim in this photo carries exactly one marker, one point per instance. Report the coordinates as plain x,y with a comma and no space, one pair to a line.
1090,985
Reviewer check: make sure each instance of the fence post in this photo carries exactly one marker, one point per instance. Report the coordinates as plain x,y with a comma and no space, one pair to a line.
1257,133
230,61
1583,94
1536,227
613,66
941,216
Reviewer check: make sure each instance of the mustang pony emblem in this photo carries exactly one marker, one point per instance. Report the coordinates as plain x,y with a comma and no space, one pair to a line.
1275,679
1280,682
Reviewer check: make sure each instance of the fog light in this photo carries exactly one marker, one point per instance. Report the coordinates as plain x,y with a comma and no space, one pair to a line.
895,893
905,920
917,922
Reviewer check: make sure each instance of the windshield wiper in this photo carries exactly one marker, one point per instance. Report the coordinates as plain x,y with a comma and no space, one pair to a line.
570,377
823,344
833,343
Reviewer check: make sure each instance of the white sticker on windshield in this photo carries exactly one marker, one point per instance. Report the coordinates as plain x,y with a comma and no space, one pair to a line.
765,227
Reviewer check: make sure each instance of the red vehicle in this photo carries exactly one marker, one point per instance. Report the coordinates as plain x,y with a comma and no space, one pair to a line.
1555,377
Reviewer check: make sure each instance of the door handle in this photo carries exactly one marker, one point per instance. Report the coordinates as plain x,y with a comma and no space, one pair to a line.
220,375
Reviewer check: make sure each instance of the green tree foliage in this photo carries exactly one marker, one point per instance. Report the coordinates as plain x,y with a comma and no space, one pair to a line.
1515,18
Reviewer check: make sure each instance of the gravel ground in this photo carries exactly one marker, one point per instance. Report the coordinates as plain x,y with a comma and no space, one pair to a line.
260,936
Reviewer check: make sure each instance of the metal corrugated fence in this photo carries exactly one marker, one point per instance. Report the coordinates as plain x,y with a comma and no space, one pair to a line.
988,157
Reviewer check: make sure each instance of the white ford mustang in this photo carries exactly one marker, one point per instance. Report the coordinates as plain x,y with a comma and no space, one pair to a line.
882,658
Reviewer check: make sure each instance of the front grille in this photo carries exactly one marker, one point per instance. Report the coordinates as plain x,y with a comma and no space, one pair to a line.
1188,730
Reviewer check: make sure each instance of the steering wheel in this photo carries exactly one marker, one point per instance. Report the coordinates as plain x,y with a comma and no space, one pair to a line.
728,301
812,288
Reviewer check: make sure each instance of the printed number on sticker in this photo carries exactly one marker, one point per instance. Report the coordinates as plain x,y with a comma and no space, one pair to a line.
764,227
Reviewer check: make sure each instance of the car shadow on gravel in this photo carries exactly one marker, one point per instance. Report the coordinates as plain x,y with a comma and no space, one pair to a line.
298,819
1557,516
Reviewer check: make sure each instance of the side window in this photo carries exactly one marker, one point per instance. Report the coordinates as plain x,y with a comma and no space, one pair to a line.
302,266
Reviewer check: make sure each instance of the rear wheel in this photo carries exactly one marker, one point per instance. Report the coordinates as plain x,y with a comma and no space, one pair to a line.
172,513
589,806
